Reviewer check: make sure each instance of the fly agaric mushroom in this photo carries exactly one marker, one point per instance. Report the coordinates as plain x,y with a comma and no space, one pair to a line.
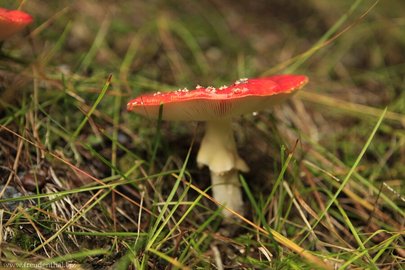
12,21
217,107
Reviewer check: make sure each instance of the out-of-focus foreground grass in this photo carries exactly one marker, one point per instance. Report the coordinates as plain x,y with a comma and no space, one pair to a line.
84,182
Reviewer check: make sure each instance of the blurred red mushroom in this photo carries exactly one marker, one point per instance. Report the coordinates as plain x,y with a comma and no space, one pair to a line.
12,21
217,107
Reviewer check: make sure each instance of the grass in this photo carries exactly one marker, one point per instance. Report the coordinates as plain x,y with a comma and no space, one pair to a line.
97,187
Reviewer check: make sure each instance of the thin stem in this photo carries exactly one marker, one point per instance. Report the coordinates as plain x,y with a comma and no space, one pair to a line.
218,148
226,189
218,152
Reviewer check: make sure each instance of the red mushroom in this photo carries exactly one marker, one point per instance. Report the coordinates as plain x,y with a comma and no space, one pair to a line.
12,21
217,106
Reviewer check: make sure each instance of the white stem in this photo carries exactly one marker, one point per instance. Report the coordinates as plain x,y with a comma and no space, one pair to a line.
218,148
218,152
226,190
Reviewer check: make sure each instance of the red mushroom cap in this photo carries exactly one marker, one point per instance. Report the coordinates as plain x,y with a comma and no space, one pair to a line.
209,103
12,21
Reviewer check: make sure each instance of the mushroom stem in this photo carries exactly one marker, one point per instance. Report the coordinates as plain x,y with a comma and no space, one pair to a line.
226,190
218,152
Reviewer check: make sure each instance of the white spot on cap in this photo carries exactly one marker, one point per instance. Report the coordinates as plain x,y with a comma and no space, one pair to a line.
223,87
211,89
198,86
178,92
236,90
242,80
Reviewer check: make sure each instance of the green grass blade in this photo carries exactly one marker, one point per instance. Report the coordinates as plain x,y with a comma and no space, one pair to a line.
352,169
160,221
93,108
